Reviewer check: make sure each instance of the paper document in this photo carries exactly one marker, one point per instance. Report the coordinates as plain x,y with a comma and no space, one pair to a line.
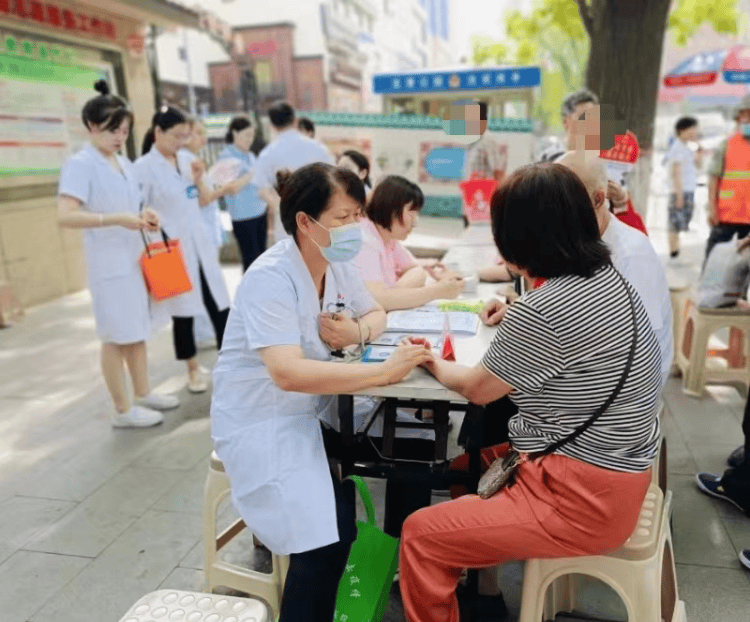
430,320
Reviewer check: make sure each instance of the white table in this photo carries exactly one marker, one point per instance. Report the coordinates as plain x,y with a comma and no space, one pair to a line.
419,390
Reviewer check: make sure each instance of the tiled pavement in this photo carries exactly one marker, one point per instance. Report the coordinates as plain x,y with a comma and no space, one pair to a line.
92,518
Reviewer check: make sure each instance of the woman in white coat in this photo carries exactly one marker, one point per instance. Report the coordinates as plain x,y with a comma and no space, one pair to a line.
99,193
208,197
276,380
168,179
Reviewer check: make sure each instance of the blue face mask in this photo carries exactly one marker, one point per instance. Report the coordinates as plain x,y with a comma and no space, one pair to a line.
745,129
346,242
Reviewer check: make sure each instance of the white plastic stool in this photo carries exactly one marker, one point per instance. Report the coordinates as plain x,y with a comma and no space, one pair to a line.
269,587
692,352
642,572
195,607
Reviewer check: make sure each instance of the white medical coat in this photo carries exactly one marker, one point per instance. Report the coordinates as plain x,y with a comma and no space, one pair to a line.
118,291
166,191
269,439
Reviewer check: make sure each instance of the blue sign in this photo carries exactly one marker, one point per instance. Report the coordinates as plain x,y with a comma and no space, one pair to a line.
464,80
446,162
737,77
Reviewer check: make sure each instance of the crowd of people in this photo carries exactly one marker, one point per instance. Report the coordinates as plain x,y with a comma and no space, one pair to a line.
594,329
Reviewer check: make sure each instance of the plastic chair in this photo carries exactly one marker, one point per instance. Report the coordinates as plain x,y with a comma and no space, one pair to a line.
692,354
179,605
269,587
641,572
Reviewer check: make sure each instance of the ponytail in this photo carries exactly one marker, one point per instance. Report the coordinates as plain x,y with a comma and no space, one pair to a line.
165,119
148,141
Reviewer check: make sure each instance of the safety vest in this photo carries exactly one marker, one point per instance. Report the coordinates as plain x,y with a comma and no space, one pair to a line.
733,205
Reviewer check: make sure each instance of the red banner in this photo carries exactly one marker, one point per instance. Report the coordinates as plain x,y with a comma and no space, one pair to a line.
52,15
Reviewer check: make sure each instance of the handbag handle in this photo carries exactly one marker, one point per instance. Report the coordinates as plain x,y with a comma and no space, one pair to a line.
576,433
164,237
364,494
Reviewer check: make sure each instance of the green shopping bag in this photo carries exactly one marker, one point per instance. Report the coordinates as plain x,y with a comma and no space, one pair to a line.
373,559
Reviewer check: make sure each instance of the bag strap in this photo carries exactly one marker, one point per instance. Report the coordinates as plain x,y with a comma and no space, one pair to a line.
576,433
364,494
164,237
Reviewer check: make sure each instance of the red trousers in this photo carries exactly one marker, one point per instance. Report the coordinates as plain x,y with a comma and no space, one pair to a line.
557,507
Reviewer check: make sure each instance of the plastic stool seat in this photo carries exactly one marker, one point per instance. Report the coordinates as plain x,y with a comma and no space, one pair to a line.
195,607
692,354
642,572
268,587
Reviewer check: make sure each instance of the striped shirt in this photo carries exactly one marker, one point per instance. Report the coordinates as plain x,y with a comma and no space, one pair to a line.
563,348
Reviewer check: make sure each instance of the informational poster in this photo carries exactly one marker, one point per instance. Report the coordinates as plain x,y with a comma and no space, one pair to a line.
40,112
441,162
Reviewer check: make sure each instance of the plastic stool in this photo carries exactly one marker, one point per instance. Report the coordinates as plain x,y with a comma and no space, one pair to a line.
269,587
642,572
195,607
692,353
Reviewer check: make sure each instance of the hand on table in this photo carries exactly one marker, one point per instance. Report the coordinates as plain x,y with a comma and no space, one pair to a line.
429,364
493,313
338,331
434,269
406,357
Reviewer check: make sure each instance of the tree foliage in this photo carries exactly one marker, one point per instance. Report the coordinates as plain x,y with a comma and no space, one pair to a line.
554,36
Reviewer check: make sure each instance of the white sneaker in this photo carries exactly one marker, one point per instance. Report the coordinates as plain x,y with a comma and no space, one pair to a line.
197,382
137,417
155,401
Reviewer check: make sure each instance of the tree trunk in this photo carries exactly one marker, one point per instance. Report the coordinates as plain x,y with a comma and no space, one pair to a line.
627,38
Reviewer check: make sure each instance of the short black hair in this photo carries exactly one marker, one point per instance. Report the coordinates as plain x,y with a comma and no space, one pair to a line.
543,221
310,188
237,124
106,111
685,123
389,199
363,164
306,124
281,114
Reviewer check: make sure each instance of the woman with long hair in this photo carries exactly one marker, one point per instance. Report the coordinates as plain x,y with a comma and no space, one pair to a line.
169,180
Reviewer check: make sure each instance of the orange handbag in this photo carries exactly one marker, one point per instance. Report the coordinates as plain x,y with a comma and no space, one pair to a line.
164,268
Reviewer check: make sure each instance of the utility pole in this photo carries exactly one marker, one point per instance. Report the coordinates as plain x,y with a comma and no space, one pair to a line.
188,72
153,64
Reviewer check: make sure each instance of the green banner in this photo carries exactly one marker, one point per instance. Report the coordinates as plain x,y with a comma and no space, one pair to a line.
31,70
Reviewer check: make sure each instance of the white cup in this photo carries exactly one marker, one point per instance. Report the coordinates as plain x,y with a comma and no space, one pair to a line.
471,283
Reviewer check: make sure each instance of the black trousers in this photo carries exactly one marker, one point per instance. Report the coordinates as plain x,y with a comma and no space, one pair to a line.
723,232
182,327
252,237
736,481
401,498
313,578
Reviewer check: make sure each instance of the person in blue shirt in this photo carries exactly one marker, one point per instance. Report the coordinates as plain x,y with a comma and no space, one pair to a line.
248,210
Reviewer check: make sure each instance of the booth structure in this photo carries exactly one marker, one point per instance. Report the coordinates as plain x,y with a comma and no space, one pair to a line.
420,149
507,91
51,53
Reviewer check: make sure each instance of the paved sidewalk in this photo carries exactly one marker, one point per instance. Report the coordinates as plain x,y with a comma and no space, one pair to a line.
92,518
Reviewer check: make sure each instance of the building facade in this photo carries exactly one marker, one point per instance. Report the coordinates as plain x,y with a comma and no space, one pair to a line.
51,53
321,55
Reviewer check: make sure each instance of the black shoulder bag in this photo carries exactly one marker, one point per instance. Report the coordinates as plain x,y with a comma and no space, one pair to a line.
501,471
